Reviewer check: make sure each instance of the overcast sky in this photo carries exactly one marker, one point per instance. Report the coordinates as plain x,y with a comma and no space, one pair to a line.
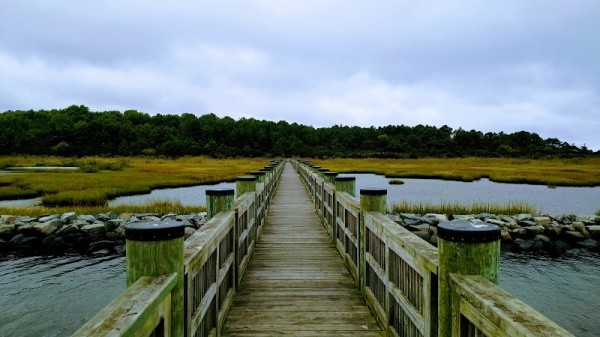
505,65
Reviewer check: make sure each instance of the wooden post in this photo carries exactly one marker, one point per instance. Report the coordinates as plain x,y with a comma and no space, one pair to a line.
155,249
260,175
218,200
322,171
371,200
330,177
346,184
464,248
245,184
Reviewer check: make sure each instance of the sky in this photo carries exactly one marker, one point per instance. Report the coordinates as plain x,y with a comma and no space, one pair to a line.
507,65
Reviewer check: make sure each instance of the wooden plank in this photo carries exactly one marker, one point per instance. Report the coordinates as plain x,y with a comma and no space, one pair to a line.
296,282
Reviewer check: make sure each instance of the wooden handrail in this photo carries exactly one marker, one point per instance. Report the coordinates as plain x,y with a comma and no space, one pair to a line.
137,311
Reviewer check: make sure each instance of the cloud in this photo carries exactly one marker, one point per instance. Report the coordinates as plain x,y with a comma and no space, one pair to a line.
492,66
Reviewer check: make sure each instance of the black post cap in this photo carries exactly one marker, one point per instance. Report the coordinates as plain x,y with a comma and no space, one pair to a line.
373,191
246,178
154,230
330,173
345,178
220,191
257,173
323,170
316,167
468,231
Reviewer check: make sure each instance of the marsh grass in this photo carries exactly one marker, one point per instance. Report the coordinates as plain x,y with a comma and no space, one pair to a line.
157,206
550,172
511,208
107,178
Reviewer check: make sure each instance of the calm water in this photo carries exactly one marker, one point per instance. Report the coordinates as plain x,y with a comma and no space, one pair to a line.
54,297
556,201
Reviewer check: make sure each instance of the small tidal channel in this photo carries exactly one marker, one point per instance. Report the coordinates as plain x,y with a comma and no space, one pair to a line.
54,297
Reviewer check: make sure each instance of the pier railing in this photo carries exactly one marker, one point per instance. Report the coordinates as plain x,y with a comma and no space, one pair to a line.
413,288
178,287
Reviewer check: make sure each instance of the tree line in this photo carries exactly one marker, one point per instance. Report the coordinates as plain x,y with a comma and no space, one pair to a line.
77,131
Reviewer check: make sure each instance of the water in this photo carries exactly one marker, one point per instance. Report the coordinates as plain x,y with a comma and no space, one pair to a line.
54,297
188,196
556,201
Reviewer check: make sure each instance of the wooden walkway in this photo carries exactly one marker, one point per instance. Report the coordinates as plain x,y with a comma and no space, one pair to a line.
297,283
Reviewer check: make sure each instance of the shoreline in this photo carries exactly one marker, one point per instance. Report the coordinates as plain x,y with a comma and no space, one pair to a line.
104,233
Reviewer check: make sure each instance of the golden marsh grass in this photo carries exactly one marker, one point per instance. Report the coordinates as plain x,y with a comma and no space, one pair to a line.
107,178
550,172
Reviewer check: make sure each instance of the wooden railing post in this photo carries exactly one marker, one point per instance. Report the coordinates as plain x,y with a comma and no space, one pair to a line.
371,200
346,184
260,175
245,184
154,249
330,177
322,171
465,248
218,200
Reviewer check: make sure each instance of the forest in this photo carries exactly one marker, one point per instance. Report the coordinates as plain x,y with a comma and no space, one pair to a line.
76,131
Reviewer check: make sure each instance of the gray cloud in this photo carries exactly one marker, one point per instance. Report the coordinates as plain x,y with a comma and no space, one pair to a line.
493,66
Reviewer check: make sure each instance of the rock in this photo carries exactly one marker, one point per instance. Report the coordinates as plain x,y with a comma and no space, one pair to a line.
120,231
172,216
68,229
29,230
7,231
49,227
4,247
506,246
496,222
120,249
188,223
26,219
580,227
69,217
113,224
106,216
151,218
102,252
527,223
96,228
87,218
553,231
412,222
505,235
125,216
542,220
430,221
8,219
523,244
188,231
543,238
524,217
58,246
425,235
132,220
573,236
558,248
594,231
534,230
80,223
519,232
422,227
112,236
433,240
22,242
407,215
100,245
589,244
537,246
49,217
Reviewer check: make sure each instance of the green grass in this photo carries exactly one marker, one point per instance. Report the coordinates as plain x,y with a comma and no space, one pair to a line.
158,206
396,182
550,172
102,179
511,208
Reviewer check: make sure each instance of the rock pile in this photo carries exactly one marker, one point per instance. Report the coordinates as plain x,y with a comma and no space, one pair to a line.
520,233
103,233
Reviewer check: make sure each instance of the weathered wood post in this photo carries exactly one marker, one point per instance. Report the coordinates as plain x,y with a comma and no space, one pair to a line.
465,248
346,184
218,200
371,200
245,184
330,177
260,175
322,171
155,249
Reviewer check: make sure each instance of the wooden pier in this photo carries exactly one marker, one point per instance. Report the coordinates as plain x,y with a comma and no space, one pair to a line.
296,283
298,254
